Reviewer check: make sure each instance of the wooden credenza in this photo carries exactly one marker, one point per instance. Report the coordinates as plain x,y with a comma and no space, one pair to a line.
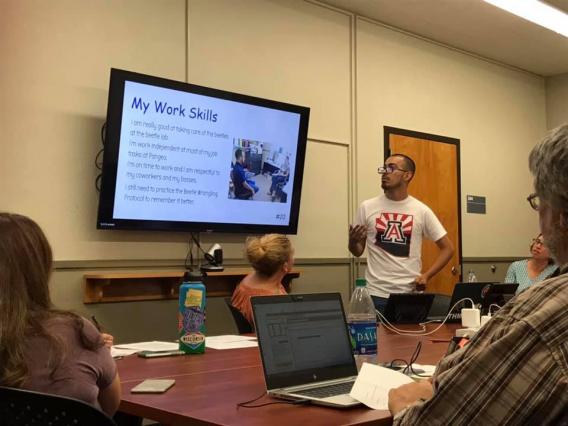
160,285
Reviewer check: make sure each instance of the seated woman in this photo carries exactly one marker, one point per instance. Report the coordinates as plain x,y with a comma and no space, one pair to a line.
271,257
529,271
42,348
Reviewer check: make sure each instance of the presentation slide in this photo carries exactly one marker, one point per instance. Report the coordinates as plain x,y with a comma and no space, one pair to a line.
195,158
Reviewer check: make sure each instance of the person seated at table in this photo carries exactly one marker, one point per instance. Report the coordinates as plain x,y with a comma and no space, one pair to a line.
279,178
44,349
271,257
243,190
514,370
529,271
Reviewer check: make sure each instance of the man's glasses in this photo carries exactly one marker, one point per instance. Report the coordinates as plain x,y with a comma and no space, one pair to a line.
534,201
389,169
538,241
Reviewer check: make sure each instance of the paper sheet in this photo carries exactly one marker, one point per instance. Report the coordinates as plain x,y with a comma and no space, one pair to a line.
118,352
150,346
226,338
230,342
373,384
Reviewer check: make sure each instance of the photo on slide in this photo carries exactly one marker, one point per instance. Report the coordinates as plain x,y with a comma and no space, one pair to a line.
260,171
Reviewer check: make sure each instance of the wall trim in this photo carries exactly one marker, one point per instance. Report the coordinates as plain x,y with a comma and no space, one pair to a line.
63,265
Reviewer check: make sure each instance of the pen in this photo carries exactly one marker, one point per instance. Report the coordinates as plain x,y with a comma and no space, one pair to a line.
440,340
97,325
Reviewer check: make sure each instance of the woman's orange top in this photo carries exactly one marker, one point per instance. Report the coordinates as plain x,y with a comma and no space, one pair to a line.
243,293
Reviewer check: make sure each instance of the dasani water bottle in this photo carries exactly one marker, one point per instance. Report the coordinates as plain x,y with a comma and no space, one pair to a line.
362,323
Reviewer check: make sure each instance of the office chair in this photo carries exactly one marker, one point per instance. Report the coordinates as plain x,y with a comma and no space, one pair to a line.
19,407
240,321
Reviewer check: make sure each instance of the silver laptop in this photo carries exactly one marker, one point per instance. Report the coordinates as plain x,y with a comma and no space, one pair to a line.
305,348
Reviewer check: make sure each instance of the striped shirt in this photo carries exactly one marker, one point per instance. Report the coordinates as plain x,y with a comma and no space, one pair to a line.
514,371
518,272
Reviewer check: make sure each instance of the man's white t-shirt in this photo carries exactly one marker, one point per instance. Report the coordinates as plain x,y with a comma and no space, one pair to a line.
394,242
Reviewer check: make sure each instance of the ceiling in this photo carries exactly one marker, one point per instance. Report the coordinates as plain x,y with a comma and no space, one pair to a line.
473,26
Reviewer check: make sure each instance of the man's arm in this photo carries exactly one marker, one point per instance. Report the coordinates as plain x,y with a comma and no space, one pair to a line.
357,239
445,254
492,382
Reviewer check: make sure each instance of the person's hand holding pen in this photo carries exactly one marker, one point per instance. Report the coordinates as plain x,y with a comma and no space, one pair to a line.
107,338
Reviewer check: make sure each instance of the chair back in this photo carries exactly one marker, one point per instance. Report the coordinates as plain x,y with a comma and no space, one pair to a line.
19,407
243,326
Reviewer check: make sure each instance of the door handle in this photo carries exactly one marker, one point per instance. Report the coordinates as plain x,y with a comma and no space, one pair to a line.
454,270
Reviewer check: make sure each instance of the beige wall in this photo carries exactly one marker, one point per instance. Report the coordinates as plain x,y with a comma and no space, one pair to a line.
557,100
355,75
498,115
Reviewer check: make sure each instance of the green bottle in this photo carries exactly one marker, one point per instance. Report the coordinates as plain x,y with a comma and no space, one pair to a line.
191,314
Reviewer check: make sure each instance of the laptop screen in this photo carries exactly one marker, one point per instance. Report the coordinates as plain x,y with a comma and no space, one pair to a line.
302,339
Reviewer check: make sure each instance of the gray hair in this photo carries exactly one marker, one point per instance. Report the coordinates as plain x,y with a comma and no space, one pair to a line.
548,162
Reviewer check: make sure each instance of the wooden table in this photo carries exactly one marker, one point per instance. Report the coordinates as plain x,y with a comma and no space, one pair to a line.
209,386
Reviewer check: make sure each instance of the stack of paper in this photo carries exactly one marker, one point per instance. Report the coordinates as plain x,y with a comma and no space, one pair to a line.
132,348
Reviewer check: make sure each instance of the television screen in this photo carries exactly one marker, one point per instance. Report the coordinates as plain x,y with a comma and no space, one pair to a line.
183,157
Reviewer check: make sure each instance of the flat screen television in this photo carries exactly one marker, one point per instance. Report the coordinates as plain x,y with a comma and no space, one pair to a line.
183,157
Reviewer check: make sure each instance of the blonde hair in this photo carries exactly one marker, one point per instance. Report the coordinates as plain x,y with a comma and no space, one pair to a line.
268,253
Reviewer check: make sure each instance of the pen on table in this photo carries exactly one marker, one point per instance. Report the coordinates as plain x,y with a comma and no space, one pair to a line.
440,340
97,325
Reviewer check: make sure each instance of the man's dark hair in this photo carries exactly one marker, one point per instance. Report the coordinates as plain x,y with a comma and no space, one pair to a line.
409,163
238,153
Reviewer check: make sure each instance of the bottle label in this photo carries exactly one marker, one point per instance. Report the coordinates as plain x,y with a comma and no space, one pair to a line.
363,337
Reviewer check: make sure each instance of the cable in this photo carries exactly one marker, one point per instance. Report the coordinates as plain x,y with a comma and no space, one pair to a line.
206,255
408,366
493,304
246,403
422,332
189,256
98,162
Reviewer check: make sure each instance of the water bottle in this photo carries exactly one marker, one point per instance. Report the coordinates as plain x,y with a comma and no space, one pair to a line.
362,324
191,314
471,278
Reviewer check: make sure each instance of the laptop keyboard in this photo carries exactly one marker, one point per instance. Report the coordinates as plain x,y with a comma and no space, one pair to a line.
327,391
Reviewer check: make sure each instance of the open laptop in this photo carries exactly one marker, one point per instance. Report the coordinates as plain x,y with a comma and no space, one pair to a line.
408,308
473,291
498,294
305,348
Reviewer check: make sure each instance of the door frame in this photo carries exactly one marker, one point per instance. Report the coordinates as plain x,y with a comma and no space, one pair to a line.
388,130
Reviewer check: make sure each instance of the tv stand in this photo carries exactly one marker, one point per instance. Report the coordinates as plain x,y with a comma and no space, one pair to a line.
160,285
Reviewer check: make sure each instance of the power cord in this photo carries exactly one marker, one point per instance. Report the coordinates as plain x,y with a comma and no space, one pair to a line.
408,366
385,322
98,161
189,256
246,404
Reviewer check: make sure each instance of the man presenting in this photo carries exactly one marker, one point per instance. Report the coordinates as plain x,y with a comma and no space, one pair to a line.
392,226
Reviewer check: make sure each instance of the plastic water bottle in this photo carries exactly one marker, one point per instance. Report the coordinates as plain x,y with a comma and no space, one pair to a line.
362,323
471,278
191,314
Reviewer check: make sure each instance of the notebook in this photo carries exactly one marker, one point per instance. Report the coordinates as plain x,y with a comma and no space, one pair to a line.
305,348
408,308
